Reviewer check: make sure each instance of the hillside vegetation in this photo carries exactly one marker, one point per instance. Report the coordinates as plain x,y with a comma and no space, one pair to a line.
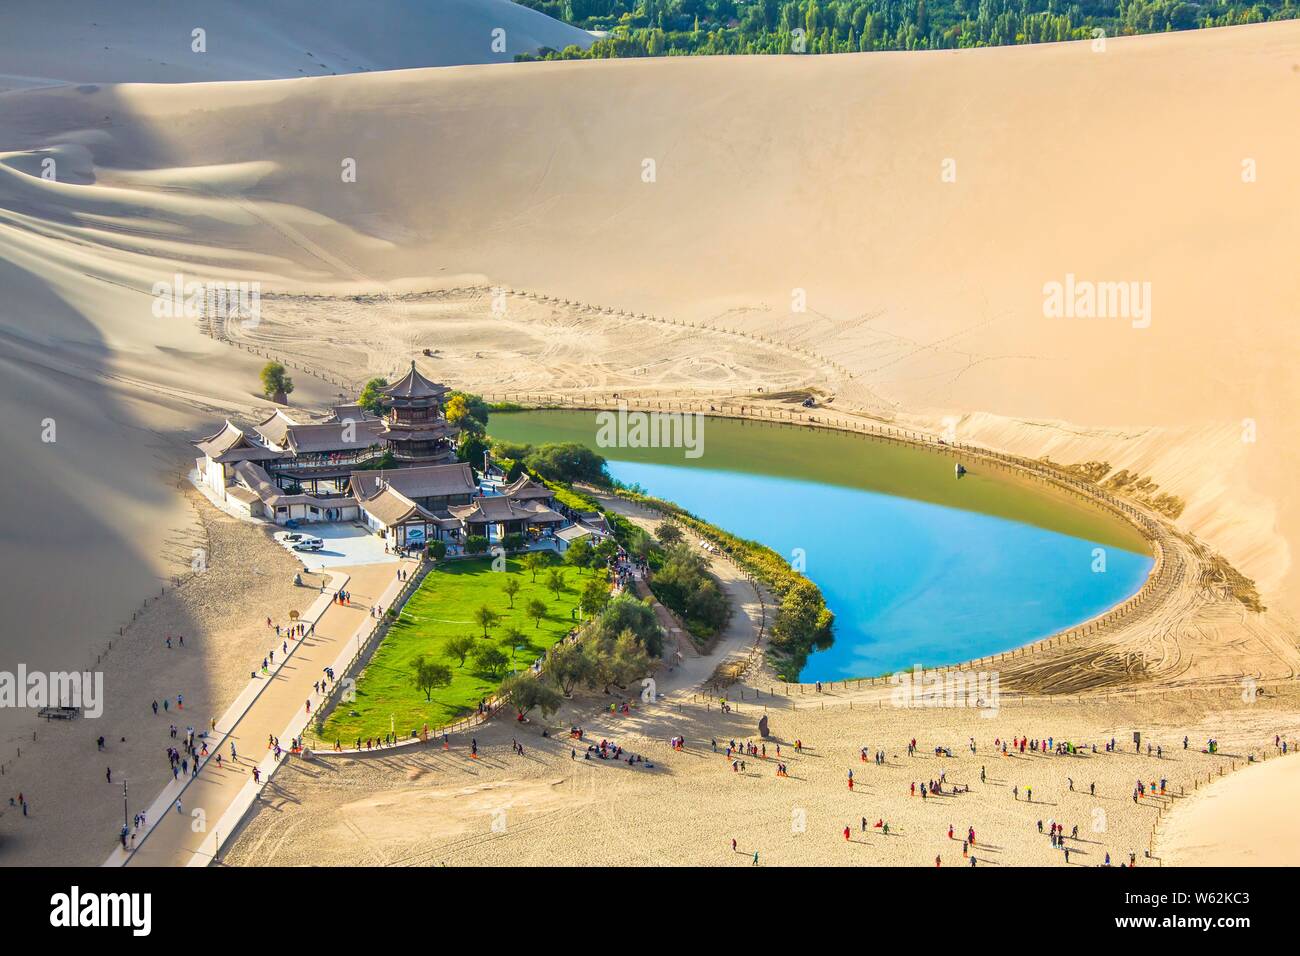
682,27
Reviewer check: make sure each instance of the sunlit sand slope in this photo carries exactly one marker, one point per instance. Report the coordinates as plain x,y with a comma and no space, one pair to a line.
901,212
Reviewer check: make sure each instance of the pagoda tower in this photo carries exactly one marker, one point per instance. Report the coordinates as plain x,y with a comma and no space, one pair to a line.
414,430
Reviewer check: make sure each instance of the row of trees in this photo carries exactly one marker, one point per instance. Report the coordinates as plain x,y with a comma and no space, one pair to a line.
553,461
683,582
619,646
802,621
490,659
682,27
618,643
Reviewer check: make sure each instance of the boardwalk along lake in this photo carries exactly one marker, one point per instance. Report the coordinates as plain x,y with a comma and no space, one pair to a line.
920,567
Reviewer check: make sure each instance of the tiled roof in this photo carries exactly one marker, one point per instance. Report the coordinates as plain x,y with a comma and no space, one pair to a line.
413,385
423,481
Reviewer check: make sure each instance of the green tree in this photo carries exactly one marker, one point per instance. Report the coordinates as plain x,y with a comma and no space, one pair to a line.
276,383
511,640
803,620
536,610
669,534
579,553
466,410
625,612
567,462
615,659
510,588
476,544
567,666
606,550
371,398
429,675
595,596
527,693
556,582
630,658
489,660
470,449
459,646
685,584
535,561
485,617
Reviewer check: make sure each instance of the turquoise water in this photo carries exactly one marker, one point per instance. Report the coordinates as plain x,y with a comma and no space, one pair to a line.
910,582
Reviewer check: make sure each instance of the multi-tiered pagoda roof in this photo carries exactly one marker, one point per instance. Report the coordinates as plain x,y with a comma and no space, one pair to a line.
414,428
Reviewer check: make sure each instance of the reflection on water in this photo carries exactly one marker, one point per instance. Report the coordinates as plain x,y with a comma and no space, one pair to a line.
918,566
909,582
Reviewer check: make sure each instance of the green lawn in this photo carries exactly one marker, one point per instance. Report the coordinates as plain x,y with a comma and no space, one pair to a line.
442,608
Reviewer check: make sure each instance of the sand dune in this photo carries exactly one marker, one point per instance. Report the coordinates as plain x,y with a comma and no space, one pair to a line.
1246,819
76,41
775,178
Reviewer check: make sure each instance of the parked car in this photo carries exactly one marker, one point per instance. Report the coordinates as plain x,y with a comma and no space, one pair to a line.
309,544
293,536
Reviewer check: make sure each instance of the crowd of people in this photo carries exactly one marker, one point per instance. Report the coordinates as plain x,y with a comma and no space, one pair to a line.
1056,832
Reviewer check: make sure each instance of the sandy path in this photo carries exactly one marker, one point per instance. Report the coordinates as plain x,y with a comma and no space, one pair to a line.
737,639
221,613
176,839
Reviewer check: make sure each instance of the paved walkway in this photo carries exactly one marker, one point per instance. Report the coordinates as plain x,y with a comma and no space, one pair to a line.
213,803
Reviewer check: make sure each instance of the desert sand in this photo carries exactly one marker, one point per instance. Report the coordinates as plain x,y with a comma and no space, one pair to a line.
435,807
774,178
425,805
221,613
775,181
1246,819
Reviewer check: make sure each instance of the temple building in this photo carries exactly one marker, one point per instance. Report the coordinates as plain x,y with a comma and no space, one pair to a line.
395,473
413,427
493,517
409,506
284,469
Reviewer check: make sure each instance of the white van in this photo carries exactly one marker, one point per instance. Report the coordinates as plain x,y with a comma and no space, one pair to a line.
309,544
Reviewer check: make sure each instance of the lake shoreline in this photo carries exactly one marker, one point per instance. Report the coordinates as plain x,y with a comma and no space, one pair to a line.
1066,486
